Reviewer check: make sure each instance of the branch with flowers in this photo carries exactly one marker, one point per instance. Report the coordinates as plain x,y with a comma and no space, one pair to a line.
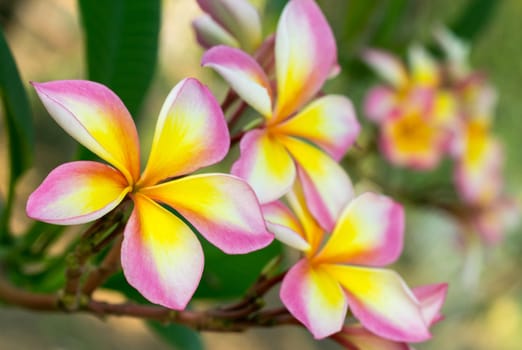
289,184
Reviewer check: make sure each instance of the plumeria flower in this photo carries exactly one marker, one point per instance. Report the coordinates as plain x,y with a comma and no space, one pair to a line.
299,136
228,22
416,117
356,337
161,257
345,270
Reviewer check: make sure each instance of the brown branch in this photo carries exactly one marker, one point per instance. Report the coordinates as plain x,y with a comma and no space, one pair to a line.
109,266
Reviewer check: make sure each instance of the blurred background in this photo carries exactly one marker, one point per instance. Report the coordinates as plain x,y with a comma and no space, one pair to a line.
484,306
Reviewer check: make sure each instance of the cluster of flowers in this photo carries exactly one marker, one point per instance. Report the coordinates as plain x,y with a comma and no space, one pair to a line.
436,108
292,151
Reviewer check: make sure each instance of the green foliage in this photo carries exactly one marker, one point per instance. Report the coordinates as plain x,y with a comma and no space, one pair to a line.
121,38
177,336
474,18
18,124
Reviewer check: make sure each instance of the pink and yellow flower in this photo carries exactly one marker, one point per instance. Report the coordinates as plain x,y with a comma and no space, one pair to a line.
233,23
298,137
161,256
416,117
346,270
356,337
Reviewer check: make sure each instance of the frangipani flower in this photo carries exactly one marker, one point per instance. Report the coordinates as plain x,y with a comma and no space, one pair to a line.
161,257
293,141
228,22
346,271
356,337
416,117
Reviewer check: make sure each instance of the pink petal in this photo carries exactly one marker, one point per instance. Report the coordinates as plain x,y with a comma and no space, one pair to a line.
161,257
243,74
95,117
362,339
314,298
379,103
265,164
239,18
191,133
387,67
284,225
329,122
76,193
326,186
369,232
431,298
382,302
209,33
305,55
223,208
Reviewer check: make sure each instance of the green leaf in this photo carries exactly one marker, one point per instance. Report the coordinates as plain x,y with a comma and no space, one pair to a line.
177,336
229,276
474,18
18,124
122,45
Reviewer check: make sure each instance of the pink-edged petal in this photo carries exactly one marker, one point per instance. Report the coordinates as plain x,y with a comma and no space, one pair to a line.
359,338
383,303
305,54
379,103
243,74
209,33
369,232
76,193
160,256
478,172
424,69
284,225
265,164
387,67
223,208
326,186
329,122
314,298
431,298
238,17
97,118
191,133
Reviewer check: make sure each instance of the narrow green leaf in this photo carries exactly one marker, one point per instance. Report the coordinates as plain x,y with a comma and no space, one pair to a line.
177,336
122,45
18,124
474,17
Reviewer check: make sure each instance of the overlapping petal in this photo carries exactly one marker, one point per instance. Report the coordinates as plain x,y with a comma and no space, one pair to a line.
191,133
478,172
305,55
314,298
222,208
161,257
424,70
209,33
379,103
387,66
238,17
329,122
76,193
431,298
361,339
243,74
326,186
369,232
284,225
265,164
382,302
95,117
